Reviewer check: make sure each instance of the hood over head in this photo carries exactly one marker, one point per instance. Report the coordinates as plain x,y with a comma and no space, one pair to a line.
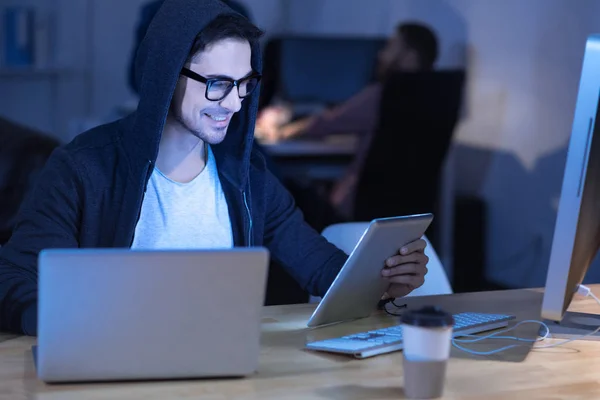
159,60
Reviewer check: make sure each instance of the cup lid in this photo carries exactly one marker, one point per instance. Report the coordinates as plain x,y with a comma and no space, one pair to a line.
428,317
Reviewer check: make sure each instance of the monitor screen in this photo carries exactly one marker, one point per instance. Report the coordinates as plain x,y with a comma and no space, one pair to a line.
326,70
577,228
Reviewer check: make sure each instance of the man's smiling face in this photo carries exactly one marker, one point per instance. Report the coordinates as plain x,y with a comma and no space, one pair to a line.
206,119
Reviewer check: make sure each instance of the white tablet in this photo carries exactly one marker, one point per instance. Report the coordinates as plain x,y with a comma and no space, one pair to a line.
359,286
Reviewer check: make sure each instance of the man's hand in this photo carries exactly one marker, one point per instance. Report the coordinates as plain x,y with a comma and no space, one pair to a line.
406,271
269,123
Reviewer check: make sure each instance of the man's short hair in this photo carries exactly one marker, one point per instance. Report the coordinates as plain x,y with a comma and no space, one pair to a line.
231,26
421,39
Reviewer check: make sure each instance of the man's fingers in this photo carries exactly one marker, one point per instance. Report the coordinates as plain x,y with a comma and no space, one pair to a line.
413,280
414,246
405,269
411,258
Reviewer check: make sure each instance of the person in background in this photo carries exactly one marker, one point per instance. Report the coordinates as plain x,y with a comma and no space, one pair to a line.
412,48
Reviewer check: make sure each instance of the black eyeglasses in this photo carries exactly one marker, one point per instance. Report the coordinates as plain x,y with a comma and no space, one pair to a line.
218,88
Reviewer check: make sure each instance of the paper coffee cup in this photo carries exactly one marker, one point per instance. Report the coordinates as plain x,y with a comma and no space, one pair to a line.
427,335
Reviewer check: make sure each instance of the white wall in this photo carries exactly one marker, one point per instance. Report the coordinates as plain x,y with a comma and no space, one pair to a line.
526,62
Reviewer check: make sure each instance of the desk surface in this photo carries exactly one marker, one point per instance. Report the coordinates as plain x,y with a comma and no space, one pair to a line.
287,372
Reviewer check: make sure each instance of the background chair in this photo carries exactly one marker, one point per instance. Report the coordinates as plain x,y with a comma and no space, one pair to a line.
347,234
23,153
401,172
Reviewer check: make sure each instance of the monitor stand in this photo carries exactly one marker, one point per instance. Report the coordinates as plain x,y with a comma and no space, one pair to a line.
574,325
34,354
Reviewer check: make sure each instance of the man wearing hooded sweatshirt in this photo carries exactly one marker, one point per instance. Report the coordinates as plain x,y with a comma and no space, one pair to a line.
180,172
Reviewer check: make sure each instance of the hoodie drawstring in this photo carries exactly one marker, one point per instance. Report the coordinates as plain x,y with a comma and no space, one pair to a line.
249,219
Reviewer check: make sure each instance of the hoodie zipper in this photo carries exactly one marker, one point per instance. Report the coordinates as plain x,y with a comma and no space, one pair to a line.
249,219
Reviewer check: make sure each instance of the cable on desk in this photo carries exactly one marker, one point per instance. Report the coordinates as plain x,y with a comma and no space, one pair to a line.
382,305
581,289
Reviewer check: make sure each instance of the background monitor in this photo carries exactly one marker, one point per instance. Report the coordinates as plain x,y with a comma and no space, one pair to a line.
577,229
327,70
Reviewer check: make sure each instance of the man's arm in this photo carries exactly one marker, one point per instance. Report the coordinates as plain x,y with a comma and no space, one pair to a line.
307,256
357,115
48,218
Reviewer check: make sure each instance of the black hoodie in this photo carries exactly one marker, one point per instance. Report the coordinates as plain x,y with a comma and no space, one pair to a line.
91,190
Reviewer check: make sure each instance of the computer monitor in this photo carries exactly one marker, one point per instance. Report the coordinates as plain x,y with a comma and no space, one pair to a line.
577,229
327,70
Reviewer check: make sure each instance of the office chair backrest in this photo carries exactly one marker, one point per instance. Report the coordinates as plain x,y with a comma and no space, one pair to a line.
418,116
23,153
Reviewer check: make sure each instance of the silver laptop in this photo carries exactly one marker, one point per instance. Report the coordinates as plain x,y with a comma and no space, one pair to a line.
127,315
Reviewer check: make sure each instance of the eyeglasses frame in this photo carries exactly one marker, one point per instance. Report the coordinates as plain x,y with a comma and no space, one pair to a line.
209,81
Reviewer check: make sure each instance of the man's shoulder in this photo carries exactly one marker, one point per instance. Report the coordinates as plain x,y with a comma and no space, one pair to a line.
95,142
95,152
94,138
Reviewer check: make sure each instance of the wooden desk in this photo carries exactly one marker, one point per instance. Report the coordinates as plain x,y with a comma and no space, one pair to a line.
287,372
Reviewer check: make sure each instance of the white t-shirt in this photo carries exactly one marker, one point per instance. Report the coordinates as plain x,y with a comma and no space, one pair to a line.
191,215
